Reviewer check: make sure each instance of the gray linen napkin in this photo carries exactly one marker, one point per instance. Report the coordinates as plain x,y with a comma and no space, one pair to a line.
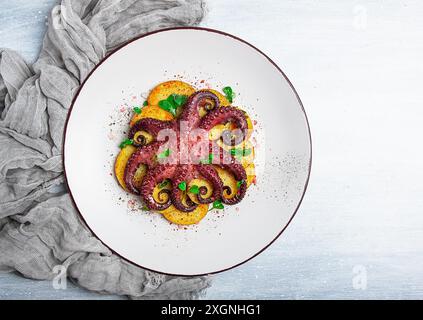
39,227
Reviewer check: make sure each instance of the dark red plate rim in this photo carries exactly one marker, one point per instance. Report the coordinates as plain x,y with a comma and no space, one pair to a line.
207,30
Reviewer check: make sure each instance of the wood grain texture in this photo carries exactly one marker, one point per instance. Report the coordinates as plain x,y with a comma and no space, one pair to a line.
358,70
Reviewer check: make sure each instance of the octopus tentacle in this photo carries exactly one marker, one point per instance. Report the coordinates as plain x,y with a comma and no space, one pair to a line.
182,174
150,125
155,176
231,164
202,98
143,155
223,115
170,164
240,175
210,174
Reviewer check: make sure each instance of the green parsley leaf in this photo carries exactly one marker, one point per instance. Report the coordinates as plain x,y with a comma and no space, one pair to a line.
247,152
173,102
145,208
125,143
194,189
167,106
145,103
182,186
164,183
218,204
137,110
240,183
239,152
179,99
164,154
230,95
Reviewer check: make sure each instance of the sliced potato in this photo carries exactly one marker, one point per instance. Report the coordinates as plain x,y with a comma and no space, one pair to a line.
247,162
165,89
139,175
249,125
151,111
249,158
251,174
185,218
120,164
217,131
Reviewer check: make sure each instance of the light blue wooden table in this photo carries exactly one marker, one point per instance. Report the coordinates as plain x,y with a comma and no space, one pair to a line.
358,68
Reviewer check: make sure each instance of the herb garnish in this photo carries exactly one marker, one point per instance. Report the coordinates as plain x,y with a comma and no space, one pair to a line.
217,205
230,95
164,154
125,143
182,186
239,152
194,189
173,102
240,183
145,103
137,110
179,99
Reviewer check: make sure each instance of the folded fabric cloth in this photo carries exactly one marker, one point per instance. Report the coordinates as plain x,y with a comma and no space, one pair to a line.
39,227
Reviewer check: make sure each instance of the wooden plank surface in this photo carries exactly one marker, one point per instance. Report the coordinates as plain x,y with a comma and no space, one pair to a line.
358,68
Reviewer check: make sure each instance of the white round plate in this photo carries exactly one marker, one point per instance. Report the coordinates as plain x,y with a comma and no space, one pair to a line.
99,117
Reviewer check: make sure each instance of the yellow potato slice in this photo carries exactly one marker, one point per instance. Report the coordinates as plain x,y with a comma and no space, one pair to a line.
185,218
216,132
178,217
249,158
249,125
139,175
120,163
247,162
165,89
151,111
251,174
